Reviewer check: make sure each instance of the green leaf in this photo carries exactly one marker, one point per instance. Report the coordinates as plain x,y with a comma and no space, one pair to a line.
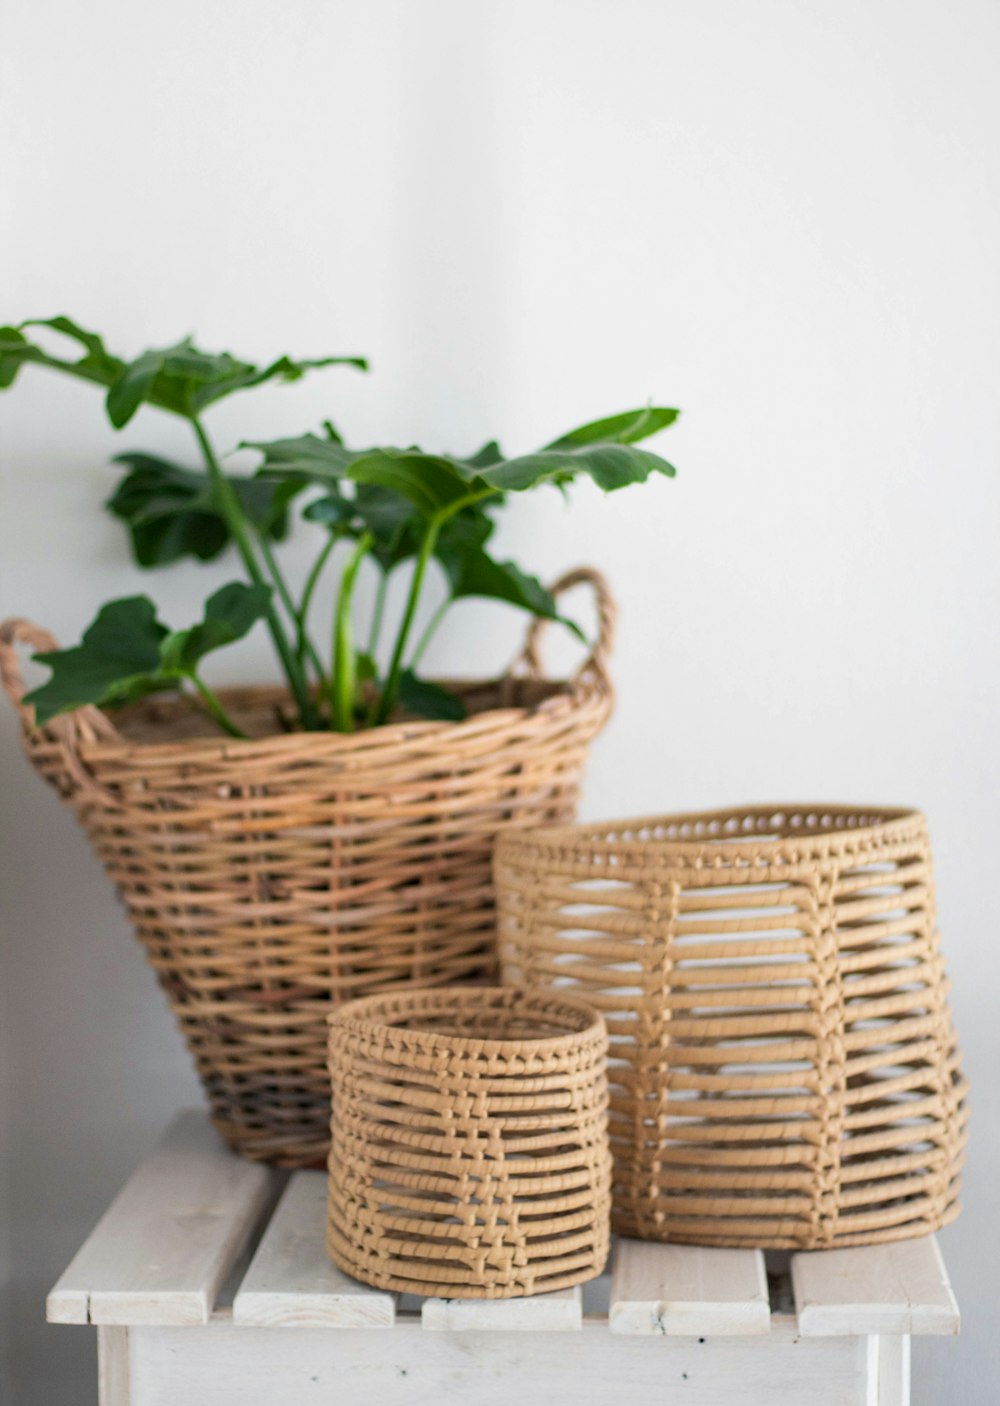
217,376
331,510
96,364
93,345
603,450
486,457
397,531
265,504
229,614
472,572
309,456
170,511
626,428
468,529
15,350
179,378
390,520
132,387
435,484
430,482
611,466
118,657
209,378
393,525
127,652
429,700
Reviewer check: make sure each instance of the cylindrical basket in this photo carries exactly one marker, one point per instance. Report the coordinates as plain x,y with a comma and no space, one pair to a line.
469,1153
784,1071
271,878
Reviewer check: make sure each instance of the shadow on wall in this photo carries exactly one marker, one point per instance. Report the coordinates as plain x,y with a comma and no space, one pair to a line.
92,1062
48,1362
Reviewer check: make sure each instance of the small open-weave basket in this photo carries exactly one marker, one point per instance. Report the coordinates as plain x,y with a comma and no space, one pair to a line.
270,878
469,1151
784,1072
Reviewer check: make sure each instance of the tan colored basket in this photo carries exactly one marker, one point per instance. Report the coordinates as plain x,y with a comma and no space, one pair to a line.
784,1068
271,878
469,1152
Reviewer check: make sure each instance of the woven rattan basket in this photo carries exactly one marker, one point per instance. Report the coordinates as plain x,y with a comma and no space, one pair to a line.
784,1068
470,1152
270,878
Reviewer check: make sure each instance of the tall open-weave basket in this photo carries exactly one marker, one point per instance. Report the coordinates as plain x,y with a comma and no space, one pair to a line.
784,1067
273,877
469,1151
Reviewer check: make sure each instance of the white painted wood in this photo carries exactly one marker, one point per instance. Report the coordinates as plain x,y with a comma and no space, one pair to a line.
225,1365
114,1377
543,1313
686,1323
165,1245
669,1290
884,1289
893,1381
873,1360
292,1283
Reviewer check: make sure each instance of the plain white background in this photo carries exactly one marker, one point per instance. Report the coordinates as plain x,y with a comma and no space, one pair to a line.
782,216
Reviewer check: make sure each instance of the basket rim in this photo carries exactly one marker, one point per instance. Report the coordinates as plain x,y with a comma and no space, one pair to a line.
360,1017
566,694
640,837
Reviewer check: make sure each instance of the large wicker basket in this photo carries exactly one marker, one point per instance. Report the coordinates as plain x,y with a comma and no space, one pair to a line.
274,877
469,1155
784,1068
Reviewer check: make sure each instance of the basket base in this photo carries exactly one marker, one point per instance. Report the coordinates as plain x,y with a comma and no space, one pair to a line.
838,1236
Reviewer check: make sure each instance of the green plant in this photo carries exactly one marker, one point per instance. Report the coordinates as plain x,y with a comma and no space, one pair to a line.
386,506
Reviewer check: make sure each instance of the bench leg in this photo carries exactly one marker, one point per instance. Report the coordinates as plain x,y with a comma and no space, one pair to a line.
889,1370
114,1386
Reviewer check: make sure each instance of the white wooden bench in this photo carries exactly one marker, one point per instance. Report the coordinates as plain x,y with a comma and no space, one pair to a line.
209,1286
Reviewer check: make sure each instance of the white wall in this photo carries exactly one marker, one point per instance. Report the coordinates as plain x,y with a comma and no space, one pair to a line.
783,217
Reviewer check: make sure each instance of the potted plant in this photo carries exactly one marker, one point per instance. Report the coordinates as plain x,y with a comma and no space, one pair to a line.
284,847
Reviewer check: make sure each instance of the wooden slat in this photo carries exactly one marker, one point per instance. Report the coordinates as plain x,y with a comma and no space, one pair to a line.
292,1283
674,1290
165,1245
898,1288
544,1313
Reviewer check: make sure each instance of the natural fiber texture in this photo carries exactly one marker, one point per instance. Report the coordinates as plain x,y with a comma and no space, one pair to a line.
784,1068
469,1152
270,878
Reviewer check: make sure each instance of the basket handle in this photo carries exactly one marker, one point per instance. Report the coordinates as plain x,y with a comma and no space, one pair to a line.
70,730
594,669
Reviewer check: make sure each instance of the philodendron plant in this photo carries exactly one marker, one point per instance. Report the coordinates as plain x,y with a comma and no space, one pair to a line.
383,506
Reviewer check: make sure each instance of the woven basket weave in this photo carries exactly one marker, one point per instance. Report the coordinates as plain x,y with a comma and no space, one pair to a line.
784,1068
469,1153
271,878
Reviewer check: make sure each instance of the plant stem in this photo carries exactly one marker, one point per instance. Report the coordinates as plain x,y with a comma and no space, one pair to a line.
428,634
391,690
276,574
434,525
342,672
215,707
377,612
304,646
232,511
310,586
